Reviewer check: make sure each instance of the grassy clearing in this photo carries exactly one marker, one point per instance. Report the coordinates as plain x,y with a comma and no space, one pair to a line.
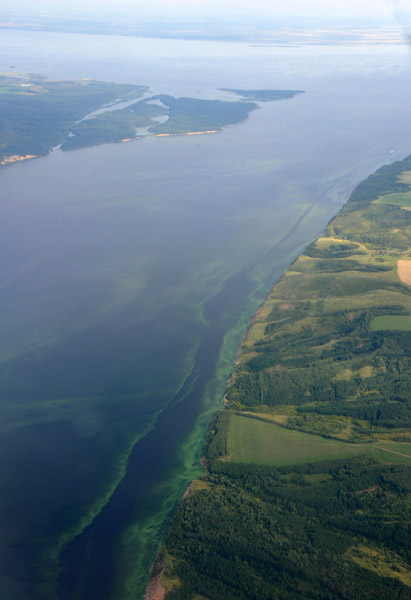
401,200
391,323
251,440
259,442
381,561
297,287
405,177
168,579
367,301
199,484
389,452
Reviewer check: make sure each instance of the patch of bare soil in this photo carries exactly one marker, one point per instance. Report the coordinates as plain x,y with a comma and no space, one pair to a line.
371,489
404,271
286,306
155,591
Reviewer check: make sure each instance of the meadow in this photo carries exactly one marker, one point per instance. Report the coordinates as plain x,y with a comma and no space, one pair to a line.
401,200
391,323
251,440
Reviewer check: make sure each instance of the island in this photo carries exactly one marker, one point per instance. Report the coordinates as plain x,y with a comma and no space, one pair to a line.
307,483
193,115
37,115
160,115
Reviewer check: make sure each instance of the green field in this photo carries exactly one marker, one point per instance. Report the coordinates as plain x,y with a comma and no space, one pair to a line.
402,200
391,323
259,442
393,452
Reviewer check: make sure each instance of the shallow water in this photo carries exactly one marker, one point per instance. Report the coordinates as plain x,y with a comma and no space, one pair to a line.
129,273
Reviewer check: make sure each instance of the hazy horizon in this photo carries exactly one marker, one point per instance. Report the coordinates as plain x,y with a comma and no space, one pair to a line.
299,21
199,8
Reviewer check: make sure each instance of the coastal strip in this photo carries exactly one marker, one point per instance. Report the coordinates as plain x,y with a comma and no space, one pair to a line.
316,411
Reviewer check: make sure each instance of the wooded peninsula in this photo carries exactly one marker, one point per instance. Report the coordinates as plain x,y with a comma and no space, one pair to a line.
37,115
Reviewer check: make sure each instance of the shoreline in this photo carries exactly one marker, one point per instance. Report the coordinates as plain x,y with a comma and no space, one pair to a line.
9,160
154,590
403,264
270,42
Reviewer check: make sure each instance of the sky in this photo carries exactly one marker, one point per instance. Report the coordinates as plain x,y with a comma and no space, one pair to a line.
198,7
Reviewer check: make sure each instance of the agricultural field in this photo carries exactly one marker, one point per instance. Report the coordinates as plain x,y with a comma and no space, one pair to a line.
401,200
251,440
254,441
404,271
391,323
332,339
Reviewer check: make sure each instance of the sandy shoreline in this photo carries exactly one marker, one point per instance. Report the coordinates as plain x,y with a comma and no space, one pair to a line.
8,160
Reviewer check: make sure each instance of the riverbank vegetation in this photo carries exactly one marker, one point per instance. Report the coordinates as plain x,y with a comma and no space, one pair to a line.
308,479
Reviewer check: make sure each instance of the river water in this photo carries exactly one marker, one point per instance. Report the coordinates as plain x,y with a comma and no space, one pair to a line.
129,273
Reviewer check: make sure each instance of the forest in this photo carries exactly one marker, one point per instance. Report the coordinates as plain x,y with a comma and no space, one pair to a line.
37,114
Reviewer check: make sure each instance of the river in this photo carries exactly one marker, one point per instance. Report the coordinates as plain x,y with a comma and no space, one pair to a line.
129,273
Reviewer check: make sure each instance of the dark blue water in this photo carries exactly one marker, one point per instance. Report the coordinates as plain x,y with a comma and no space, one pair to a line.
90,559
